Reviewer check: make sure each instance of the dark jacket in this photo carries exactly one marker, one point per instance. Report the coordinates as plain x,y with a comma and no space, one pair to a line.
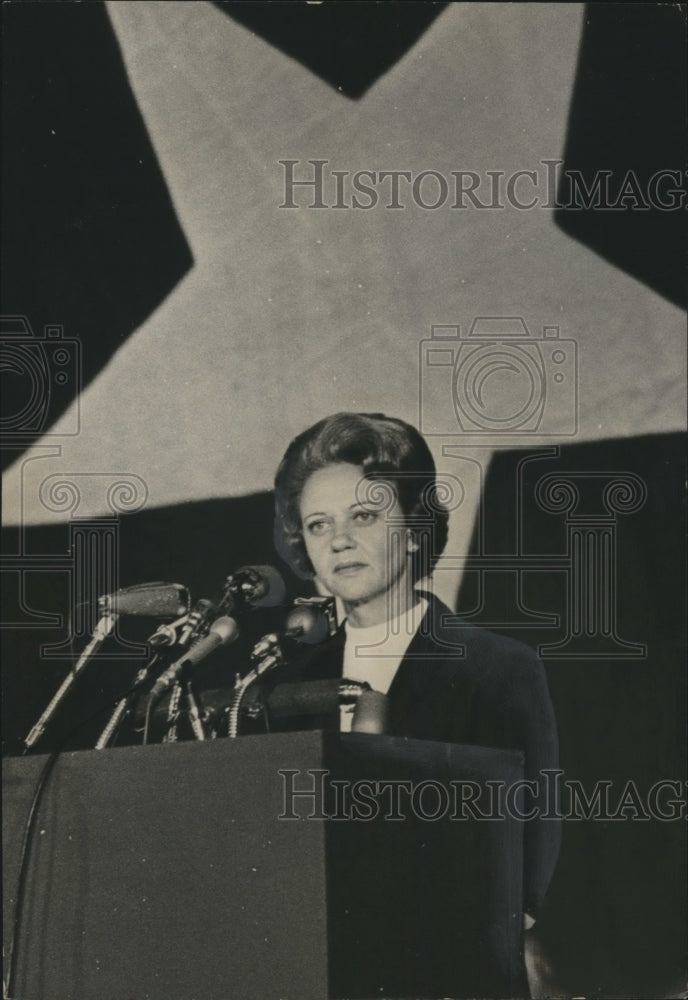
458,683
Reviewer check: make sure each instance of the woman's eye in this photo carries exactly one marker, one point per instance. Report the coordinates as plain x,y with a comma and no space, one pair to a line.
365,516
316,527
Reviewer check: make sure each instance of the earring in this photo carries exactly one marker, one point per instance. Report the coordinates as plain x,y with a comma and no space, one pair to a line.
411,543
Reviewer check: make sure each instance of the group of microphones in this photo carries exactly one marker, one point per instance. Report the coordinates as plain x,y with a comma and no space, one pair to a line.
189,633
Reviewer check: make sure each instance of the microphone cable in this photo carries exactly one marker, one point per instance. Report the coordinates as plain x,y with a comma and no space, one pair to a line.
28,839
147,721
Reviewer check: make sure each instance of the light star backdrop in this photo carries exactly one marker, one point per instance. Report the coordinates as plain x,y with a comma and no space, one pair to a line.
289,314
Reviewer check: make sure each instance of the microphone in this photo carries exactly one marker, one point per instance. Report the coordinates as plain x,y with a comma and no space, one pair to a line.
266,655
155,600
164,635
198,619
222,632
254,586
190,625
370,713
304,698
303,623
306,624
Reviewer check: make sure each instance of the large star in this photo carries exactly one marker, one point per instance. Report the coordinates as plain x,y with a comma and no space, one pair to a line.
293,313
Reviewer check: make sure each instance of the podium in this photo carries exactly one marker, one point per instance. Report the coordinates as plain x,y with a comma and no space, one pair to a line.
293,866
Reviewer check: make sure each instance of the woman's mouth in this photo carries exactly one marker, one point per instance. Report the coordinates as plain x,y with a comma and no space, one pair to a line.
348,568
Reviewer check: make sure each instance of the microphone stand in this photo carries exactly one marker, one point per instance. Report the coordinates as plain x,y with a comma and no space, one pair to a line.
240,686
173,714
193,625
122,707
100,634
193,714
183,689
270,656
165,635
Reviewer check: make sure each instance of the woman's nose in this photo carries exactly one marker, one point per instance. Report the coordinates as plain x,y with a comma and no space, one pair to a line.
341,539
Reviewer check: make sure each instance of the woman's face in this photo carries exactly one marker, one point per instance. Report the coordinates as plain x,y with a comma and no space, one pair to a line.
358,546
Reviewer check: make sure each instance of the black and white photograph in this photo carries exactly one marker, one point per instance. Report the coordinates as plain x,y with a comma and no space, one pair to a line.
343,365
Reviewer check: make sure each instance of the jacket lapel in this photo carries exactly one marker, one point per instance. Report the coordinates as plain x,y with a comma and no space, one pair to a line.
413,680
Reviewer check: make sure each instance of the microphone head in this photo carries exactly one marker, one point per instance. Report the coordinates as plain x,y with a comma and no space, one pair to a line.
259,586
307,624
153,600
226,629
222,632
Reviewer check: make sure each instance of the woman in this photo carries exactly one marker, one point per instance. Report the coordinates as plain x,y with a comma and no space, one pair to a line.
357,509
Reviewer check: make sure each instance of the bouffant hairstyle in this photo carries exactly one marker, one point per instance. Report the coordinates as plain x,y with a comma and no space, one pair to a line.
388,450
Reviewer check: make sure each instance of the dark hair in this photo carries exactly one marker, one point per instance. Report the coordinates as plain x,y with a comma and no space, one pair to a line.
386,449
